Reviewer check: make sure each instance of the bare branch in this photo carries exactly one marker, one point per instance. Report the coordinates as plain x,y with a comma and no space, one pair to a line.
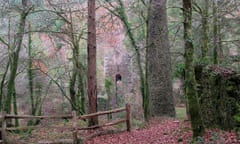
3,41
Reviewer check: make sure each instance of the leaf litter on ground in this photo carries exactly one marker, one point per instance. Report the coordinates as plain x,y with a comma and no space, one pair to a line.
156,131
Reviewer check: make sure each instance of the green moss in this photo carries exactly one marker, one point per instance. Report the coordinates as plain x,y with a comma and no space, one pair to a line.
218,96
181,113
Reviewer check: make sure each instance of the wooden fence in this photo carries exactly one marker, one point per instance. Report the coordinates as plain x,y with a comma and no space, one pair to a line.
74,128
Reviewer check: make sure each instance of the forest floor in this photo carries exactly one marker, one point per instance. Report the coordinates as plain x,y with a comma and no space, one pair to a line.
157,131
166,131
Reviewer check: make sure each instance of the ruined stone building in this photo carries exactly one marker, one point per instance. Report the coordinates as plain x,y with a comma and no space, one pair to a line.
119,68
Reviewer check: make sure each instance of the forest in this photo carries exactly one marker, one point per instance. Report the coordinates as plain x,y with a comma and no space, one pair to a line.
120,71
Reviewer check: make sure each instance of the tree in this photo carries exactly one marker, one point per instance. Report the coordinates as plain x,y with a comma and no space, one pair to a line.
205,28
13,58
190,81
160,83
132,29
92,82
217,48
69,31
4,75
30,72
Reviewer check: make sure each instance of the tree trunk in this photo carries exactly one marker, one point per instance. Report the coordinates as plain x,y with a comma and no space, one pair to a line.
72,91
13,57
29,70
146,100
15,109
219,41
81,93
160,82
205,28
2,96
92,82
190,81
215,34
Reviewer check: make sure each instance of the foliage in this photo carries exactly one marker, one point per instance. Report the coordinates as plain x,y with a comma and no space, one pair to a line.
108,83
179,71
181,113
218,92
237,115
203,61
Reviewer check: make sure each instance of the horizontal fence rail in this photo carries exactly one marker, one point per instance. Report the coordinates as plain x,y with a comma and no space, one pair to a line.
37,117
74,128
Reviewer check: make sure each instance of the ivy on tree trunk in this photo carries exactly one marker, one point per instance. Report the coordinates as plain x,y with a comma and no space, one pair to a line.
190,81
205,29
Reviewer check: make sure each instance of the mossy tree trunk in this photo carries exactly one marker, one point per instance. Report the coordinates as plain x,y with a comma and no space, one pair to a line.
205,28
4,76
30,71
108,84
14,56
77,79
76,89
160,82
35,99
190,81
217,47
215,36
76,84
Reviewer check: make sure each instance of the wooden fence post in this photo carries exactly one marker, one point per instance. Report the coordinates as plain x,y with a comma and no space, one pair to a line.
128,112
4,126
74,124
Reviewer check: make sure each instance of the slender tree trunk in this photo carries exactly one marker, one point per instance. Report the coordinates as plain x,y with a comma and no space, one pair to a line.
217,38
34,102
13,58
147,90
160,82
15,110
29,71
14,55
215,33
190,81
220,48
81,93
2,96
72,91
92,82
76,84
205,28
73,77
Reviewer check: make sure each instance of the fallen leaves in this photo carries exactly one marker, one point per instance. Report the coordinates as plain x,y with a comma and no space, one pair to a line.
167,131
157,131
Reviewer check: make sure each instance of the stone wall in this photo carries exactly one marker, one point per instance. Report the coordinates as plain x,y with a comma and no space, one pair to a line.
219,94
125,87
